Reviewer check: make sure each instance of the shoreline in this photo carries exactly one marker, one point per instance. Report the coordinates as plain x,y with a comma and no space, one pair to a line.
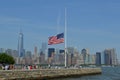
41,74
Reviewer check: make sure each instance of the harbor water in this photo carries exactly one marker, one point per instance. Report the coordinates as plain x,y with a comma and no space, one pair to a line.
108,73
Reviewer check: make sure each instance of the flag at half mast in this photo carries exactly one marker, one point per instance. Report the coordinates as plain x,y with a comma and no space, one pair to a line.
59,38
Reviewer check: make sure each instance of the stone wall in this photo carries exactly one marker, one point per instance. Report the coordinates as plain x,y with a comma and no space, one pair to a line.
40,74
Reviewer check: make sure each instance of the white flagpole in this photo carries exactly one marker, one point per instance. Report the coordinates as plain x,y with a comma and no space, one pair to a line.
65,39
58,23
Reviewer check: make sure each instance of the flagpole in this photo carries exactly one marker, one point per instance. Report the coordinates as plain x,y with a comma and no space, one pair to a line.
58,23
65,39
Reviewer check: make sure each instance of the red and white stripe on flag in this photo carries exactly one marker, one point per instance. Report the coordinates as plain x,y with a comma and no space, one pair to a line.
56,39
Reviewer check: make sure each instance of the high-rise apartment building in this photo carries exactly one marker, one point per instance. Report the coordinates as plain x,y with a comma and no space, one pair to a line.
20,45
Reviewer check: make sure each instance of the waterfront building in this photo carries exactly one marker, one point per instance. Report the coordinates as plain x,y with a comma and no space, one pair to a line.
42,58
28,54
69,59
61,51
44,50
36,57
2,50
93,59
86,58
20,60
35,52
28,60
21,50
70,56
56,57
102,58
14,53
110,57
61,56
85,53
44,47
75,58
51,52
28,57
80,60
37,60
9,52
98,58
70,50
17,60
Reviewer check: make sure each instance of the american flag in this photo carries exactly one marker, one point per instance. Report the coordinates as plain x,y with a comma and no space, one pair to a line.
59,38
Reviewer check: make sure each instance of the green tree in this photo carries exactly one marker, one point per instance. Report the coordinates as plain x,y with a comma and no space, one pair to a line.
7,59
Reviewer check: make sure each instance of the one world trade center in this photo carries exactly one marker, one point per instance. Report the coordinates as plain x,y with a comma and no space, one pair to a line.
20,45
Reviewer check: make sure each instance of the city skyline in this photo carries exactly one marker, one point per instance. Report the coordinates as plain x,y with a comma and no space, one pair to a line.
56,56
90,24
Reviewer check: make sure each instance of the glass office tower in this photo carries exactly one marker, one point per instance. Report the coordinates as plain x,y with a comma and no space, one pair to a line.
20,45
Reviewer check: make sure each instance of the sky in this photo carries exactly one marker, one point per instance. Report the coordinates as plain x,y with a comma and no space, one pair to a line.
92,24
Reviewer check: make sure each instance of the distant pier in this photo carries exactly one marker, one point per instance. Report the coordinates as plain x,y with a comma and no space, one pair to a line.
40,74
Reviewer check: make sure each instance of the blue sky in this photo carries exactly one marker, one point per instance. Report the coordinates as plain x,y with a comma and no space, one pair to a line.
92,24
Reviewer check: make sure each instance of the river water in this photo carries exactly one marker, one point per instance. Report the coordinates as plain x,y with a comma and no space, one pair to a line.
108,73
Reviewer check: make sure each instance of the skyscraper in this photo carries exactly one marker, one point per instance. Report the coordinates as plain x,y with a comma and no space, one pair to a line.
85,53
20,45
98,58
110,57
35,52
51,53
44,47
